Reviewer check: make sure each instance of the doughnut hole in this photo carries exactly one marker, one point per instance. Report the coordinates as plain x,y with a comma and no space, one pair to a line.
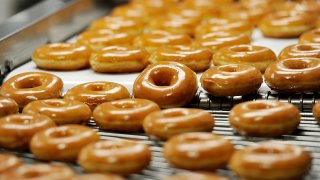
259,106
228,69
18,120
173,114
31,82
55,103
109,146
269,150
126,105
30,174
96,87
163,77
316,32
295,64
61,134
242,48
305,47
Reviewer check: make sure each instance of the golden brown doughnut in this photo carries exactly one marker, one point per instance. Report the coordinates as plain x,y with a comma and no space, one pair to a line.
98,39
300,51
220,4
17,130
119,59
62,56
316,111
167,123
39,171
61,111
264,118
157,6
125,115
271,160
97,176
294,75
169,84
115,156
271,3
132,10
9,162
95,93
31,86
195,57
312,36
257,56
308,6
198,151
194,12
231,80
8,106
196,176
62,143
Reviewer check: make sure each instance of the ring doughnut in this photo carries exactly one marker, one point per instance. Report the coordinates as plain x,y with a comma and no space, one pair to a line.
221,4
167,123
125,115
31,86
231,80
62,143
62,56
253,3
16,130
312,36
115,156
136,11
95,93
40,171
61,111
257,56
264,118
100,39
188,11
316,111
198,151
8,106
169,84
96,176
294,75
119,59
271,160
9,162
310,7
301,51
196,175
196,58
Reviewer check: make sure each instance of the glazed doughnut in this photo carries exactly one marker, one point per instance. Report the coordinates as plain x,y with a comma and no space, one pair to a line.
301,51
194,12
153,41
62,56
40,171
257,56
96,176
157,6
167,123
118,24
220,39
270,3
221,4
31,86
115,156
309,7
286,24
294,75
196,58
196,175
8,106
125,115
119,59
231,80
169,84
99,39
95,93
17,130
61,111
271,160
9,162
134,11
264,118
316,111
312,36
62,143
198,151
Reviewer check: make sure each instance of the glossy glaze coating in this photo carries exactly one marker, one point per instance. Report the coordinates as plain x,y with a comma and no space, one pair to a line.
62,56
40,171
195,57
115,156
9,162
271,160
157,6
294,75
231,80
316,111
62,143
257,56
264,118
196,175
221,4
98,39
31,86
198,151
312,36
95,93
254,3
17,130
125,115
97,176
8,106
309,7
169,84
194,12
167,123
220,39
301,51
134,11
119,59
61,111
